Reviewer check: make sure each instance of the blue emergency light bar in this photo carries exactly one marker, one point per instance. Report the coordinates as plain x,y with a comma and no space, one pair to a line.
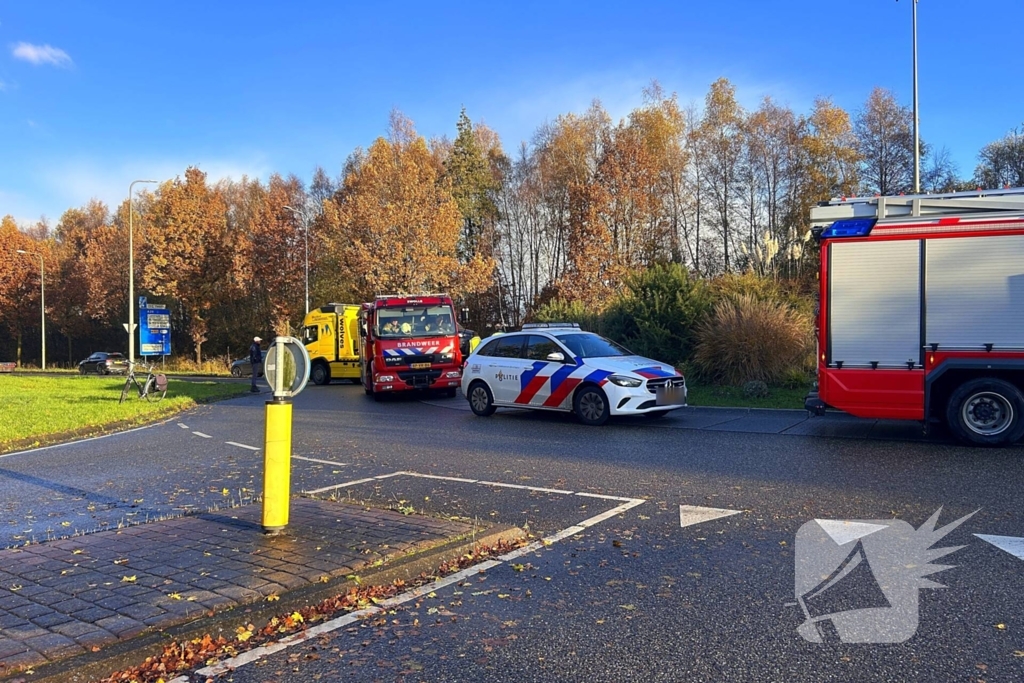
849,227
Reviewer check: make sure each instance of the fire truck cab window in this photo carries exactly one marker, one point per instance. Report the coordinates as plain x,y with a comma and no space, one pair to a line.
418,320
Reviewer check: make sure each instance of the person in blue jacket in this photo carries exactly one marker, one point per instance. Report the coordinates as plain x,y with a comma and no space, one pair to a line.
256,361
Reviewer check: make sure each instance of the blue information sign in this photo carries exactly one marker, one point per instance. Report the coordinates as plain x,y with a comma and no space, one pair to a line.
154,329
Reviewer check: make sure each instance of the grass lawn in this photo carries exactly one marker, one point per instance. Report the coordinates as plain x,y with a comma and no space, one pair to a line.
732,397
39,409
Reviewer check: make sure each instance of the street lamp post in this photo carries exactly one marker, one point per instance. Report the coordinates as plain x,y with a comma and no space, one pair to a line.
917,132
131,273
42,298
305,230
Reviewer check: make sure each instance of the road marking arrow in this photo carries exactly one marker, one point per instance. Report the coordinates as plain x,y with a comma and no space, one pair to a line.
1011,544
842,531
693,514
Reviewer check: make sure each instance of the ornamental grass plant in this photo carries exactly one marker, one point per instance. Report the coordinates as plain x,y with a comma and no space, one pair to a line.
747,339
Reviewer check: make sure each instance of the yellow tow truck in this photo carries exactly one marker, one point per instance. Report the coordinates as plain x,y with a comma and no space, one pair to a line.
331,336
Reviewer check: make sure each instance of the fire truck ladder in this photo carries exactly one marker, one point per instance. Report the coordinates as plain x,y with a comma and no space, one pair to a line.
987,204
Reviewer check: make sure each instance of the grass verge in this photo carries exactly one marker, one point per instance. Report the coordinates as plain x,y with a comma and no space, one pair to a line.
40,409
732,397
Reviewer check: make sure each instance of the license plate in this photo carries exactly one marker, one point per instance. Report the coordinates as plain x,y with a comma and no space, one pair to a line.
670,396
420,366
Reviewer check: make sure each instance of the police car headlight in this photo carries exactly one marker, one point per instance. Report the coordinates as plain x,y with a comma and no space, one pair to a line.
624,381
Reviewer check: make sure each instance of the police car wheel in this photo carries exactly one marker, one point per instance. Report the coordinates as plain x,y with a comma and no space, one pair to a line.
481,401
591,406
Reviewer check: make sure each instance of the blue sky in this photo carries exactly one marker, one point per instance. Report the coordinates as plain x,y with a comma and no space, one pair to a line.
96,94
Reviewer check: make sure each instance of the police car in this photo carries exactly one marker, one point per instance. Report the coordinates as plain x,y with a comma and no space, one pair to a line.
558,366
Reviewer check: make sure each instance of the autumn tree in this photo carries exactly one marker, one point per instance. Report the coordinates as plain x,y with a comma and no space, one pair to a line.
831,153
885,143
472,185
271,252
568,155
721,139
397,224
19,282
69,305
1002,162
641,163
189,258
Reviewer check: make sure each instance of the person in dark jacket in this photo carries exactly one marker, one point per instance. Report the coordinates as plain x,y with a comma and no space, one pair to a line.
256,361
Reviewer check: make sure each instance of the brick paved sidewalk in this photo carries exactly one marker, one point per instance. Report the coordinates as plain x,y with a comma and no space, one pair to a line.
62,598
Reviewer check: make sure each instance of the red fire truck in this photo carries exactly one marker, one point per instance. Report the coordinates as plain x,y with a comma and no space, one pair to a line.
409,342
921,311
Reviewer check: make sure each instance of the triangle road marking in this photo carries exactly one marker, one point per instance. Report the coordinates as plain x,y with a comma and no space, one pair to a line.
842,531
1011,544
693,514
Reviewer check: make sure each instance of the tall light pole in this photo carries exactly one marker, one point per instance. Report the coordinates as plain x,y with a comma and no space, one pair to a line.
917,127
305,230
42,297
131,273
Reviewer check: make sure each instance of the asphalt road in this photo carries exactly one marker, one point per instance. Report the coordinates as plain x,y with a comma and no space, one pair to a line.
635,596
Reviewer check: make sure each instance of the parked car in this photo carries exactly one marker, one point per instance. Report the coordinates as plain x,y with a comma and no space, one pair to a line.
558,366
104,363
241,368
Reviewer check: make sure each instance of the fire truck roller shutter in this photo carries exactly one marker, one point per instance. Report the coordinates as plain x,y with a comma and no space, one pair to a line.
975,289
875,295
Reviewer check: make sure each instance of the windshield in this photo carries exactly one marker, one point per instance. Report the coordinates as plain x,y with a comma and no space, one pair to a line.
591,346
414,321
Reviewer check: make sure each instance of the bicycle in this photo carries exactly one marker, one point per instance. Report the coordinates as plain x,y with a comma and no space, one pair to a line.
153,389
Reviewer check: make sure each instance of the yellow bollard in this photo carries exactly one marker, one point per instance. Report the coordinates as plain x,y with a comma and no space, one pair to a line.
277,456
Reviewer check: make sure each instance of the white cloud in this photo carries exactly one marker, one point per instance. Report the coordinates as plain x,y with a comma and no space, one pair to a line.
41,54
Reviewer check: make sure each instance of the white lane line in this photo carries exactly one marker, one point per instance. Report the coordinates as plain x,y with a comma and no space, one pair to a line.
325,462
241,445
604,497
334,624
341,486
437,476
78,441
521,486
183,426
205,436
251,656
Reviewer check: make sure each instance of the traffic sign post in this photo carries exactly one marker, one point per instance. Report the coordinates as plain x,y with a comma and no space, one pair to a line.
154,329
287,370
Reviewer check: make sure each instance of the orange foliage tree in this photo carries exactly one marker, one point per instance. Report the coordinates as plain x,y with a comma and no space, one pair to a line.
396,224
189,256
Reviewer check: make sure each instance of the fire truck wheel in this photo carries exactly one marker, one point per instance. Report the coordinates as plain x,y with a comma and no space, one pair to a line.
986,412
481,401
591,406
320,374
451,393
